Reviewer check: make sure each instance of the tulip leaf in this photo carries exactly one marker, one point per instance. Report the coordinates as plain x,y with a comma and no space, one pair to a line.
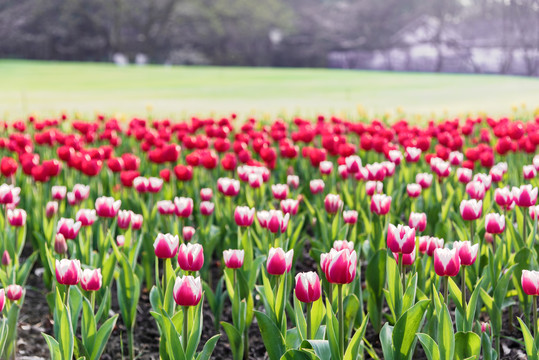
75,305
196,329
429,345
174,345
472,305
54,347
352,351
271,335
24,270
387,342
467,345
375,276
301,323
88,325
103,335
410,294
332,330
531,348
208,348
320,347
318,313
296,355
446,335
394,290
235,339
406,327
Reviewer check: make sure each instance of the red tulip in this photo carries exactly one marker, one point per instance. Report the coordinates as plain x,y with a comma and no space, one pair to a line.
8,166
183,172
339,266
16,217
525,196
308,288
14,292
233,258
400,239
183,206
91,280
187,291
2,299
467,252
107,207
191,257
380,204
446,262
166,246
68,272
6,259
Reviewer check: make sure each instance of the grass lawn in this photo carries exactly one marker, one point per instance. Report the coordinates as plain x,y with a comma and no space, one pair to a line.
46,88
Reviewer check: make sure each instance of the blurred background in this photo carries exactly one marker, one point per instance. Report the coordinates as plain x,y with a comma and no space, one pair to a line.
439,36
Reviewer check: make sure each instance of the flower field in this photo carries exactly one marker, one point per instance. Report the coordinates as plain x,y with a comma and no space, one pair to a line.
229,238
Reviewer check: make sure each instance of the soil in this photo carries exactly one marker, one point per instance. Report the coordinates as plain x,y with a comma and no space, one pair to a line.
35,319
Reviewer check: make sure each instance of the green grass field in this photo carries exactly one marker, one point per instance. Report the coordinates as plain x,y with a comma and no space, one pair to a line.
46,88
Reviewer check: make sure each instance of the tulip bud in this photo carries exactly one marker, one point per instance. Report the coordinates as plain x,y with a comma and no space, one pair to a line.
60,244
278,261
408,259
413,190
424,179
446,262
244,216
183,206
2,299
316,186
418,221
233,258
530,282
68,272
467,252
120,240
91,280
166,246
380,204
343,244
485,327
292,181
339,266
350,216
332,203
14,292
495,223
308,287
471,209
289,206
6,259
206,208
525,196
401,239
191,257
187,291
51,209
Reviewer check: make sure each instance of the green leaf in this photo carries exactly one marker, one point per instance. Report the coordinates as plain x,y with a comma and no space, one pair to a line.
406,327
54,347
531,349
375,279
208,348
446,335
352,351
271,335
102,338
467,345
235,339
320,348
296,355
387,343
88,325
429,345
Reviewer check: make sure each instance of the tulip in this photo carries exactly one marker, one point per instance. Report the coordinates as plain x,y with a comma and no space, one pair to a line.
107,207
325,167
471,209
51,209
308,287
166,246
407,259
418,221
228,187
60,244
280,191
6,259
68,228
136,221
376,171
154,185
292,181
395,156
165,207
2,299
120,240
456,157
440,167
534,212
8,193
290,206
476,190
243,215
16,217
183,206
427,244
483,178
58,192
278,261
374,187
343,171
191,257
206,208
187,290
350,216
340,266
332,203
86,217
277,221
466,251
485,327
81,192
401,239
91,280
413,190
233,258
504,198
255,180
412,154
68,272
316,186
495,223
424,179
496,174
14,292
446,262
263,217
530,285
529,172
188,232
380,204
124,219
206,194
343,244
141,184
353,163
525,196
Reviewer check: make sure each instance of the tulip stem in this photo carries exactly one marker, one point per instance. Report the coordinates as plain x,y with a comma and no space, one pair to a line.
403,276
534,298
185,323
92,300
130,343
472,231
157,281
463,290
446,290
309,305
524,222
341,320
66,298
